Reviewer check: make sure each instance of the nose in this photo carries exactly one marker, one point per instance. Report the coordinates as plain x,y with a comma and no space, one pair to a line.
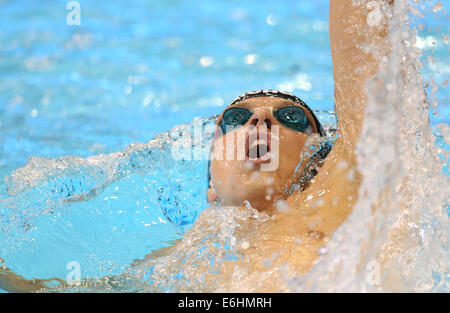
262,117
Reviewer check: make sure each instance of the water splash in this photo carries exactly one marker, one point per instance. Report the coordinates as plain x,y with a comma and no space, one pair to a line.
103,211
107,211
406,236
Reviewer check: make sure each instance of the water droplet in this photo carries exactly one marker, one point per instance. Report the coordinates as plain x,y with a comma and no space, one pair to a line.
127,90
282,206
147,99
250,59
437,7
318,203
245,245
206,61
269,181
342,165
254,176
323,251
271,20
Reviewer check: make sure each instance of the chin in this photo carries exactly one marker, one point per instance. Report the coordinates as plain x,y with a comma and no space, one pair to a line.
261,204
258,198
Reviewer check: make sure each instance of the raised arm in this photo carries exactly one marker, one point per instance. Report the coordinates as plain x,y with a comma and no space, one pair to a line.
357,36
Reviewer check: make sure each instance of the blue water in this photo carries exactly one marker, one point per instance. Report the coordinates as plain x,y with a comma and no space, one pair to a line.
130,71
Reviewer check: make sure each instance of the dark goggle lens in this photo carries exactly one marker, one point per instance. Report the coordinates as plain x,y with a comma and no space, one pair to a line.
235,117
293,117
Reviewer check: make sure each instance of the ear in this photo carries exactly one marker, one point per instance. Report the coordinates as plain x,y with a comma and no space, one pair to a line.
211,193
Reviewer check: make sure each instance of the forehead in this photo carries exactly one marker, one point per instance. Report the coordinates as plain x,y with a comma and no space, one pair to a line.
263,101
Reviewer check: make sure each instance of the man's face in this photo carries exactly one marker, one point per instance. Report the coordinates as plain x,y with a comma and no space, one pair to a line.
256,160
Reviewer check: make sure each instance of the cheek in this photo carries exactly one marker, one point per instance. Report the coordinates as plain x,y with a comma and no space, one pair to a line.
218,170
292,145
218,150
230,146
222,174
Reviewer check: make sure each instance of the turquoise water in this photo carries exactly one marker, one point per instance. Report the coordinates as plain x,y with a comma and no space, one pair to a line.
128,72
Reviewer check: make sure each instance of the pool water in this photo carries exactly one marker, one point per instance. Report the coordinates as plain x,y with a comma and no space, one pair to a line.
74,97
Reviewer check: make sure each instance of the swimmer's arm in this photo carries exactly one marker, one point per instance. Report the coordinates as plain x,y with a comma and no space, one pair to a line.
12,282
352,30
15,283
330,197
161,252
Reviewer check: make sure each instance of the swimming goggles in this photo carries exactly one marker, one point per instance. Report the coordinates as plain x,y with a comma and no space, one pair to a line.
293,117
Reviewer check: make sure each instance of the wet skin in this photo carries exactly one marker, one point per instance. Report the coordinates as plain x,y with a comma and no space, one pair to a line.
295,236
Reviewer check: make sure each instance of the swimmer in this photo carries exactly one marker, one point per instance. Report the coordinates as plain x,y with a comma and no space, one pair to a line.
327,182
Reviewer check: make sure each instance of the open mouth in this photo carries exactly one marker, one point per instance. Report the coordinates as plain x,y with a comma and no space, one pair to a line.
257,145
